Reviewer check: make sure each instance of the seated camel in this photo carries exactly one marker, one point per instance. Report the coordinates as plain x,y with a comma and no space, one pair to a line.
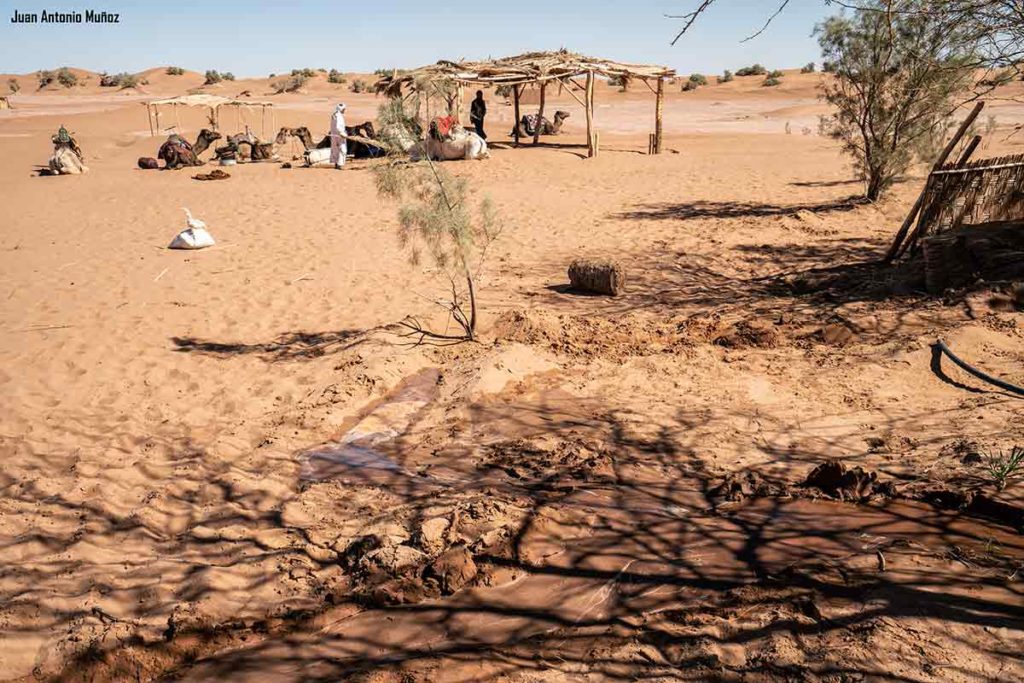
66,161
356,148
447,140
529,123
67,157
177,152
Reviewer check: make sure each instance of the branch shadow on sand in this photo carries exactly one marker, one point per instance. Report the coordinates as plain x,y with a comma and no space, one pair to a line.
711,209
621,561
288,346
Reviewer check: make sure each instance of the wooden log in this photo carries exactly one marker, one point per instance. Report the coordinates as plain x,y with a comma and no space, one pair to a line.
599,277
898,244
515,113
659,108
589,97
540,114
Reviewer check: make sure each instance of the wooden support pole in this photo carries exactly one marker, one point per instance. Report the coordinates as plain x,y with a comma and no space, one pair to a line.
898,244
540,114
149,115
589,106
515,113
659,108
968,151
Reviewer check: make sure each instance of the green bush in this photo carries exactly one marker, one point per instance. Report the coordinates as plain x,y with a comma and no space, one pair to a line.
828,67
389,72
289,84
358,85
807,68
689,85
622,82
503,91
336,76
752,70
175,71
212,77
66,78
698,79
228,76
12,85
45,78
725,77
771,82
308,73
776,74
121,80
997,79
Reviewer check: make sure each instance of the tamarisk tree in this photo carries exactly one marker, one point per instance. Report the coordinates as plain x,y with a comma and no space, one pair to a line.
437,219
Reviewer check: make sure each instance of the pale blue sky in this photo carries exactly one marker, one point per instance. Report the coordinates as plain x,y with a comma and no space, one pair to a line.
257,37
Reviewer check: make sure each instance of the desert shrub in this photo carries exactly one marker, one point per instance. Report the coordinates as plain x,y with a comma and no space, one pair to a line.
828,67
66,78
807,68
336,76
308,73
288,84
175,71
897,81
776,73
503,91
620,82
999,78
437,218
689,86
45,78
771,82
726,77
12,85
383,73
228,76
358,85
752,70
212,77
698,79
1005,466
121,80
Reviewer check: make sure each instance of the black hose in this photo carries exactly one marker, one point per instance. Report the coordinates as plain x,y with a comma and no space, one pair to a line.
985,377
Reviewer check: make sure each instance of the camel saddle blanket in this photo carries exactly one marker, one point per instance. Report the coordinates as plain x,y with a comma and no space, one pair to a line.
530,123
175,141
441,127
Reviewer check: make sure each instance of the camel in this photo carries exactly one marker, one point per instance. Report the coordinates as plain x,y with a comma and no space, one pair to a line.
177,152
459,143
205,138
528,124
360,150
65,161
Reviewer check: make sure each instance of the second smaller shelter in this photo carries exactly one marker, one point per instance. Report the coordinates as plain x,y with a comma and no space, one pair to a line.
212,102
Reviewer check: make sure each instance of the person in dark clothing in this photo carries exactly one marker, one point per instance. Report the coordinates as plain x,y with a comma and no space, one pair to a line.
477,112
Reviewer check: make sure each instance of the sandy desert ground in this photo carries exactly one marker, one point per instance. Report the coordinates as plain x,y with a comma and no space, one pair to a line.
175,502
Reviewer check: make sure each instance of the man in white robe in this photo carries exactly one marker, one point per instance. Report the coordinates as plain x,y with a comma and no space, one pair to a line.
339,140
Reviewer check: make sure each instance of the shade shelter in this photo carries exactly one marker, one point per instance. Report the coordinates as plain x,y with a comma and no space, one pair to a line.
540,69
214,103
